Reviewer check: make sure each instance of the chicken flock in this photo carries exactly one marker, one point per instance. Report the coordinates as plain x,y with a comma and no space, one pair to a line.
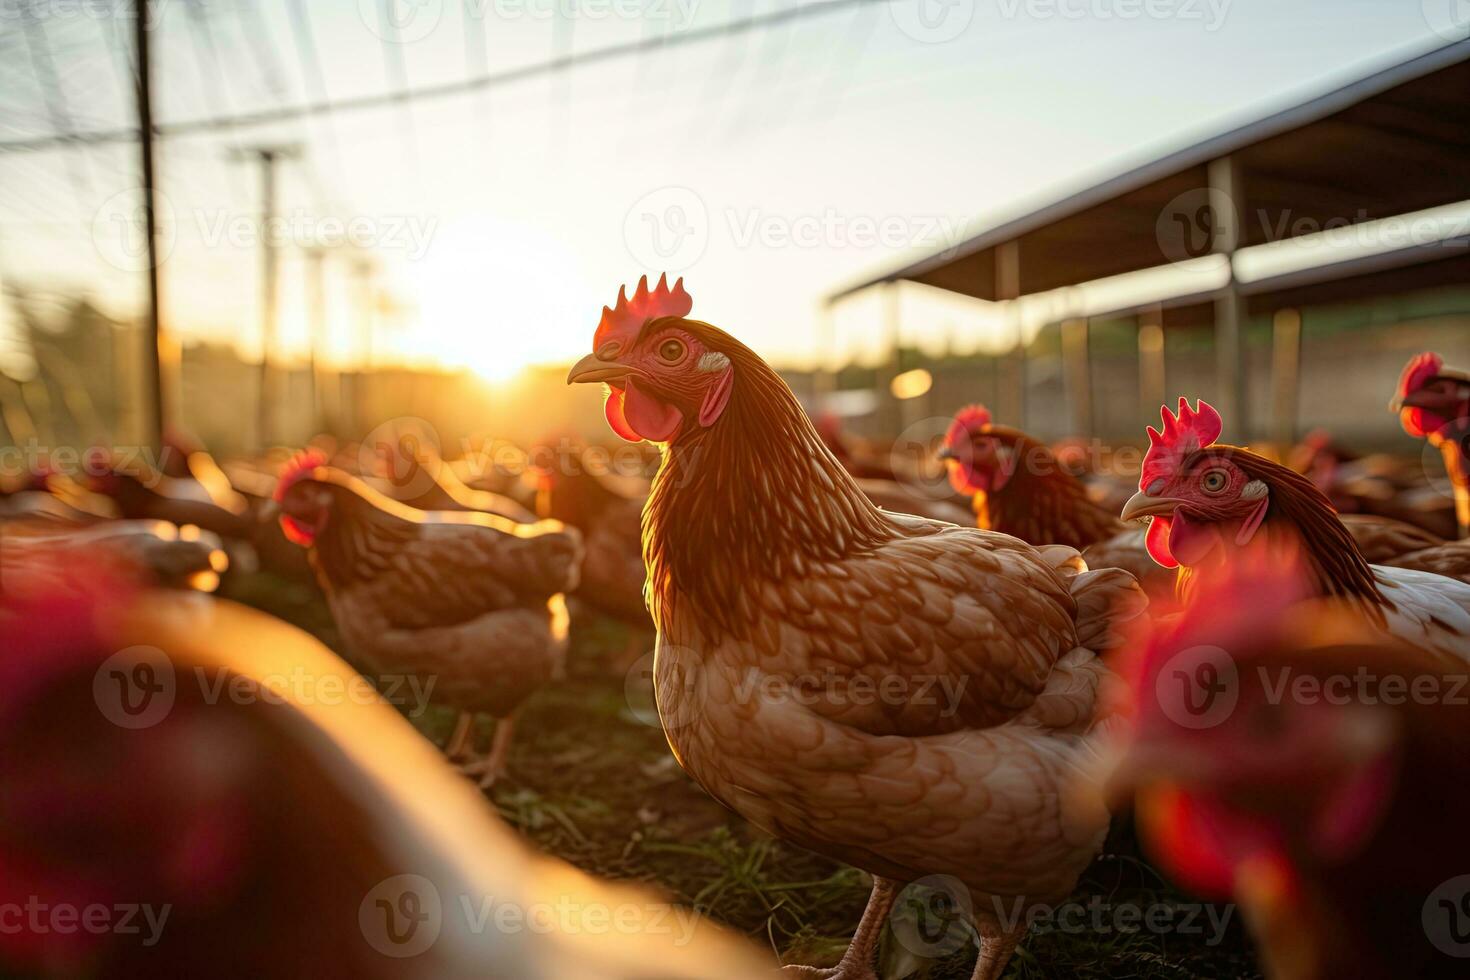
971,686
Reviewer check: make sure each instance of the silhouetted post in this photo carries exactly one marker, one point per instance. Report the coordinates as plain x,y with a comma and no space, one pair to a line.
891,417
1007,291
1230,352
152,364
367,309
1077,364
1151,371
316,312
268,157
1286,359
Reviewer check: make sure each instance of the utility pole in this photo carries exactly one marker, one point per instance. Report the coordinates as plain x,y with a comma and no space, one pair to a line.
367,311
268,156
152,363
316,311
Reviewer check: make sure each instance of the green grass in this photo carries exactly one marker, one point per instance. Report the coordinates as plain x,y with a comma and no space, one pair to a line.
592,783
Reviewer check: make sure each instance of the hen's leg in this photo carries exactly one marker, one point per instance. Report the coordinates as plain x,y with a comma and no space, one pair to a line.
996,947
857,962
461,740
492,767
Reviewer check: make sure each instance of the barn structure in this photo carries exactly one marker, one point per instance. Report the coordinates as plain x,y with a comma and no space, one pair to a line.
1341,223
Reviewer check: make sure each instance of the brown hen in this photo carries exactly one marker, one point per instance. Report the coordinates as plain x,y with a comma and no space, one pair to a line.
1019,487
468,601
804,635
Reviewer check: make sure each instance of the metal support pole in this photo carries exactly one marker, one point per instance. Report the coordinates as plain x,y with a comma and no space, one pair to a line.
268,157
1077,362
1152,388
824,377
1230,353
1286,359
157,412
316,305
367,310
1008,290
892,331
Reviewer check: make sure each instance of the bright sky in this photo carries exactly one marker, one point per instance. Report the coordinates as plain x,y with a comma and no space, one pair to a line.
767,168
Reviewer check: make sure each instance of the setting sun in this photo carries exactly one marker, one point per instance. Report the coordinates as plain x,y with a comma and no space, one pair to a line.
496,332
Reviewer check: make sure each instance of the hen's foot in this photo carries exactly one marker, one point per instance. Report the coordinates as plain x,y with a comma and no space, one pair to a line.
493,766
484,771
461,743
830,973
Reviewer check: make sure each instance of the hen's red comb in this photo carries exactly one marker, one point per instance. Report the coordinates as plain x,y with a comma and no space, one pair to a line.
1189,430
299,467
622,322
971,418
1420,369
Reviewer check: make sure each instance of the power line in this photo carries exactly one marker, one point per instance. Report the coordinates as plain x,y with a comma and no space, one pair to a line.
311,65
488,81
257,39
206,56
397,71
55,99
312,74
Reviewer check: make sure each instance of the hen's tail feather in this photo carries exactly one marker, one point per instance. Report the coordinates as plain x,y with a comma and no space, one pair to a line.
1107,598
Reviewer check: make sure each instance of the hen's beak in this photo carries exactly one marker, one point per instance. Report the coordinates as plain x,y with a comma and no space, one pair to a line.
1142,505
1414,399
593,368
945,453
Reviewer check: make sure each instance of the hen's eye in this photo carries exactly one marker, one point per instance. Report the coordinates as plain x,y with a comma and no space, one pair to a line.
1214,481
671,350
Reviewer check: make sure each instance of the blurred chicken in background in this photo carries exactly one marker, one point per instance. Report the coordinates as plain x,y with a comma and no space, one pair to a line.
607,509
407,467
469,599
1433,403
209,773
1312,769
150,552
1020,488
886,478
205,498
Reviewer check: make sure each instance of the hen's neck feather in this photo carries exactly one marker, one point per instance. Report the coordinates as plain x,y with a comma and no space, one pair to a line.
1300,513
1458,468
359,539
756,497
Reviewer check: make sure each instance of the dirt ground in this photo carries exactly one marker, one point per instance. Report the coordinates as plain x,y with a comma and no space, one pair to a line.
592,781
